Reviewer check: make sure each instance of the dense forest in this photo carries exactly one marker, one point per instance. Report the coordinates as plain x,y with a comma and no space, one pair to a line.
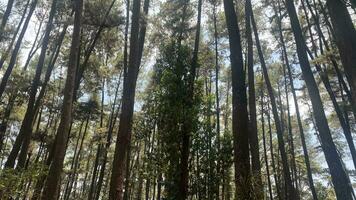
177,99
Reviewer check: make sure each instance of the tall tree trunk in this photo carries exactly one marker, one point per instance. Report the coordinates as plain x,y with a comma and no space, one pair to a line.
253,136
142,34
66,192
239,103
275,175
159,186
127,174
217,98
16,50
187,126
88,52
265,146
35,45
5,119
290,190
325,79
46,161
339,177
345,35
53,59
112,120
127,24
99,148
5,17
290,133
76,159
53,178
299,121
340,77
125,125
6,53
24,136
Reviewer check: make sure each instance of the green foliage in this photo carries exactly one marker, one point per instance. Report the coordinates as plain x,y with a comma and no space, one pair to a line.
14,182
168,102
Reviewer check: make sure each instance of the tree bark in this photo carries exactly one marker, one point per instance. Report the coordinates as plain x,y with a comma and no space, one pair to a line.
339,177
6,53
325,79
125,125
113,116
340,77
290,190
275,175
16,50
25,133
5,17
217,98
66,192
239,103
35,46
82,67
265,146
53,178
253,136
127,175
345,36
75,163
99,148
187,126
299,121
5,119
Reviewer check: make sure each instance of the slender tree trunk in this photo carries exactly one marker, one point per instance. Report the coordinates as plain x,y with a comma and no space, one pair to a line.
99,148
159,186
299,121
66,192
142,34
16,50
239,103
290,190
345,35
339,177
46,161
147,189
35,46
139,178
327,84
53,178
113,116
50,67
5,17
217,98
275,175
187,126
290,133
82,67
265,147
6,53
76,160
316,17
25,133
125,125
253,136
3,125
127,175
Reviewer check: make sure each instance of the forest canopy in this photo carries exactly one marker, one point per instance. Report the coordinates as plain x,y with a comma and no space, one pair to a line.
177,99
